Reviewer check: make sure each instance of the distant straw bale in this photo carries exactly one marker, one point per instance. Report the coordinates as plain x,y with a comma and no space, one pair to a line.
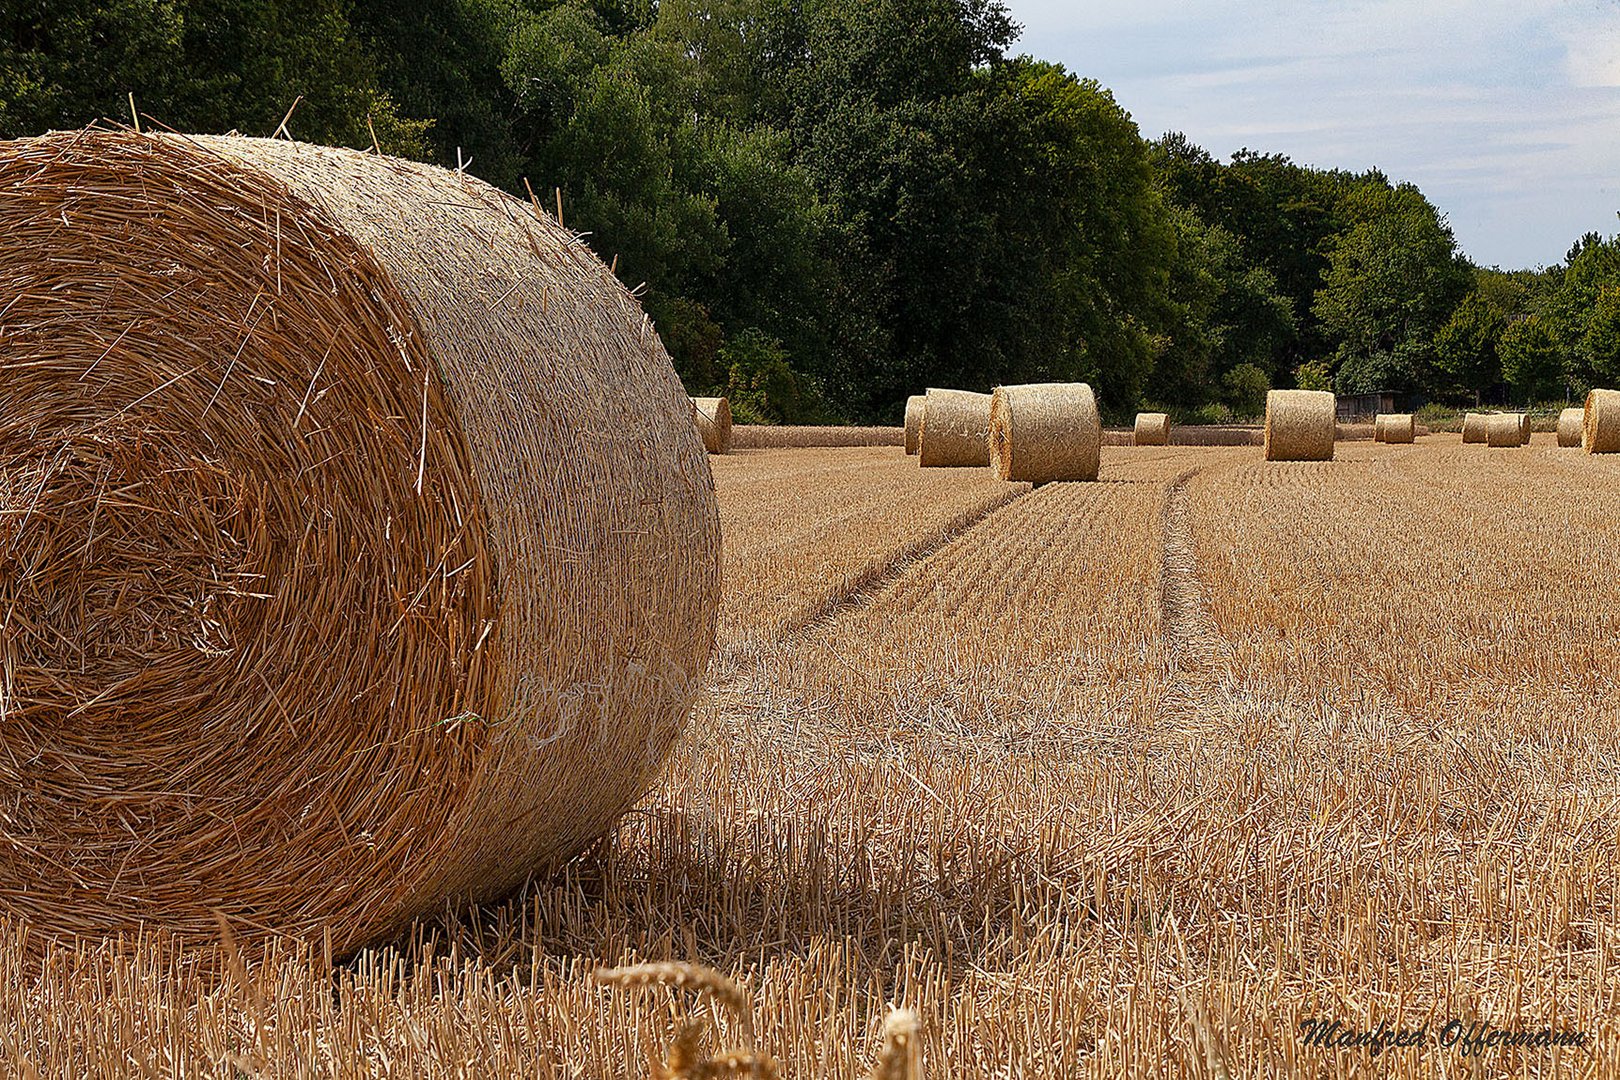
713,418
1152,429
357,550
1395,428
1045,431
914,415
1600,422
955,430
1569,427
1505,429
1300,425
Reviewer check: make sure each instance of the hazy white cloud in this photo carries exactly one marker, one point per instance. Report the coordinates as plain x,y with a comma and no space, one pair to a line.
1507,114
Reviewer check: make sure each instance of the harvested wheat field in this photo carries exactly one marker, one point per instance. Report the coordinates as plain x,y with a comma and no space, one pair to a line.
1126,778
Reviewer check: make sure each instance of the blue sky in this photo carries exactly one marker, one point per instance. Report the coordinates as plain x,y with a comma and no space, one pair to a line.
1506,114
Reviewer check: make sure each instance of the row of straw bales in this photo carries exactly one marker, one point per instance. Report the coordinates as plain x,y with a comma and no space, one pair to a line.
1595,427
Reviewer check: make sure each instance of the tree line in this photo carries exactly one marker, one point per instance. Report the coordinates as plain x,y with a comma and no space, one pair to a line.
829,204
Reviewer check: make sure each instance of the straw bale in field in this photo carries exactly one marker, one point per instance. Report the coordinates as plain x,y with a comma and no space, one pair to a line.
1474,427
713,417
955,429
1569,426
1600,422
1395,428
1045,431
1505,429
357,549
1300,425
914,415
1152,429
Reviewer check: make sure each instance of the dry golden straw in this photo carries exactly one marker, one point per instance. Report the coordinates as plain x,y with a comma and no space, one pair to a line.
1569,426
1505,429
713,417
1395,428
1152,429
324,597
1045,431
1524,428
1474,427
1300,425
914,415
955,430
1600,427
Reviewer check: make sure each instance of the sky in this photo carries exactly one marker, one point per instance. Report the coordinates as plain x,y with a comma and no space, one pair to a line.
1505,112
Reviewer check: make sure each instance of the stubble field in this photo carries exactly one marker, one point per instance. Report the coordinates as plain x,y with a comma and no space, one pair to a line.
1125,778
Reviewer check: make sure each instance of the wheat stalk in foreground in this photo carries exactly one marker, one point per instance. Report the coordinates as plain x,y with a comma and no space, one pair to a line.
684,1058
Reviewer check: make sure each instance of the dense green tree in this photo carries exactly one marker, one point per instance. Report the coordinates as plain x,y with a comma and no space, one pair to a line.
1531,360
1394,276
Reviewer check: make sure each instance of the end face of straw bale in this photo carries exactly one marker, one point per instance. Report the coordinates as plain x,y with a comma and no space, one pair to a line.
1570,422
1600,422
1152,429
1300,425
713,418
1042,432
955,430
1475,426
914,416
1505,429
307,554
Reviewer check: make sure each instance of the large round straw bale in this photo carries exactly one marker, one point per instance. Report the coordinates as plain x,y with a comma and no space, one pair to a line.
1300,425
1474,427
1569,426
1504,429
955,429
1045,431
1600,426
357,550
1396,428
914,415
713,418
1152,429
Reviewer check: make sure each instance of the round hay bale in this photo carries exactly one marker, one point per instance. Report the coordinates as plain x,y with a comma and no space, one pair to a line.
1045,431
1504,429
955,430
1474,427
713,418
1569,426
914,415
1396,428
1600,422
1300,425
1152,429
357,550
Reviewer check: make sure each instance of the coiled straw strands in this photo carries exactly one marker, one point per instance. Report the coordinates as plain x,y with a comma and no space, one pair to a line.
1570,422
357,550
713,417
1045,431
1394,428
914,415
1300,425
1600,422
955,430
1505,429
1152,429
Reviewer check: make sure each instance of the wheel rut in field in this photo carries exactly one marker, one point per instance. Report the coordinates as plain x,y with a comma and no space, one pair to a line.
1193,643
878,576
